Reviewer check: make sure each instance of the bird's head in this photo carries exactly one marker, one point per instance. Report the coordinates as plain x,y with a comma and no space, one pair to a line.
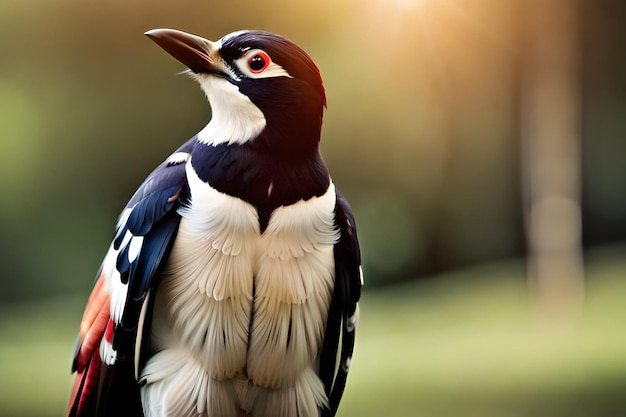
261,87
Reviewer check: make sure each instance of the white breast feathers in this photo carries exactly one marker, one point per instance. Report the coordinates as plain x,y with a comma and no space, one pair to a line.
240,315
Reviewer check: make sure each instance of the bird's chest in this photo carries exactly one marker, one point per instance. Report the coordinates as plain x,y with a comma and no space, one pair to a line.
245,303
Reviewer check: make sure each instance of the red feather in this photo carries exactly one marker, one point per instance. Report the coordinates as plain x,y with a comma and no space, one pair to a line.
87,361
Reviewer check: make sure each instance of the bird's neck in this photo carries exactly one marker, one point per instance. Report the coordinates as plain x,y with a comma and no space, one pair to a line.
234,119
265,180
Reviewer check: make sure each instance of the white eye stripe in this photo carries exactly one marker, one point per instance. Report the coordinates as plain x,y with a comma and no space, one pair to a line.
272,69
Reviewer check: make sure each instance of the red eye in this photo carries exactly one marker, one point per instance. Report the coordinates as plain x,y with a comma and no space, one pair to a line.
259,62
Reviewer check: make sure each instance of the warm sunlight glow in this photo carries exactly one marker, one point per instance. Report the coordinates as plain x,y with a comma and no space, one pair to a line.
409,4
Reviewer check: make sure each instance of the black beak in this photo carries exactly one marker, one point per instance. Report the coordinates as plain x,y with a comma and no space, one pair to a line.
198,54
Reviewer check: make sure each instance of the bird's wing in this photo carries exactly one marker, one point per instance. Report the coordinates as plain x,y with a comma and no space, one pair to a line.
104,355
343,313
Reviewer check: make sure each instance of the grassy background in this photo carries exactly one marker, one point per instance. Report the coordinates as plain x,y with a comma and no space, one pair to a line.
469,343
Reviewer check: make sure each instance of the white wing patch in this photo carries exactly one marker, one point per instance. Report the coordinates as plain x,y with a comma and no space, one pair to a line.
134,247
118,291
113,282
177,158
108,355
121,221
353,320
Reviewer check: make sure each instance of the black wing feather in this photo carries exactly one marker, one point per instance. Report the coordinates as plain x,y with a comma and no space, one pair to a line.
148,266
339,336
152,218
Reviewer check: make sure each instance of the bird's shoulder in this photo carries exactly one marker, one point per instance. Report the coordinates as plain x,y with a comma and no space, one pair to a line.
167,176
344,217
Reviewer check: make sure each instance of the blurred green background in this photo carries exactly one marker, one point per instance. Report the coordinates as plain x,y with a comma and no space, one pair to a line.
433,105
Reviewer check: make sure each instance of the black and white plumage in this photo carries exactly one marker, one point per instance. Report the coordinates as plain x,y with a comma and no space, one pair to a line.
231,286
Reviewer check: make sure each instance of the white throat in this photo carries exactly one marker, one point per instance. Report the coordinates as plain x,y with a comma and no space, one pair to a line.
235,119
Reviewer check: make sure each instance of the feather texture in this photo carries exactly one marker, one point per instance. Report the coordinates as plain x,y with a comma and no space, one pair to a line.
235,118
105,377
271,336
231,286
243,319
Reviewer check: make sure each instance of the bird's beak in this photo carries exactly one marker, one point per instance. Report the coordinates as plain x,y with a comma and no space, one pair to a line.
198,54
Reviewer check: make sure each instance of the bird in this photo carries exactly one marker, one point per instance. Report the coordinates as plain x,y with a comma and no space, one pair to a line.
232,283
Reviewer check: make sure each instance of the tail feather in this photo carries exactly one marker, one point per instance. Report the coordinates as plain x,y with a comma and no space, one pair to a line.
85,390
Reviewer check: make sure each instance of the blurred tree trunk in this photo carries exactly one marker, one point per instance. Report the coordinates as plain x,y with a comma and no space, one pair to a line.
551,159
